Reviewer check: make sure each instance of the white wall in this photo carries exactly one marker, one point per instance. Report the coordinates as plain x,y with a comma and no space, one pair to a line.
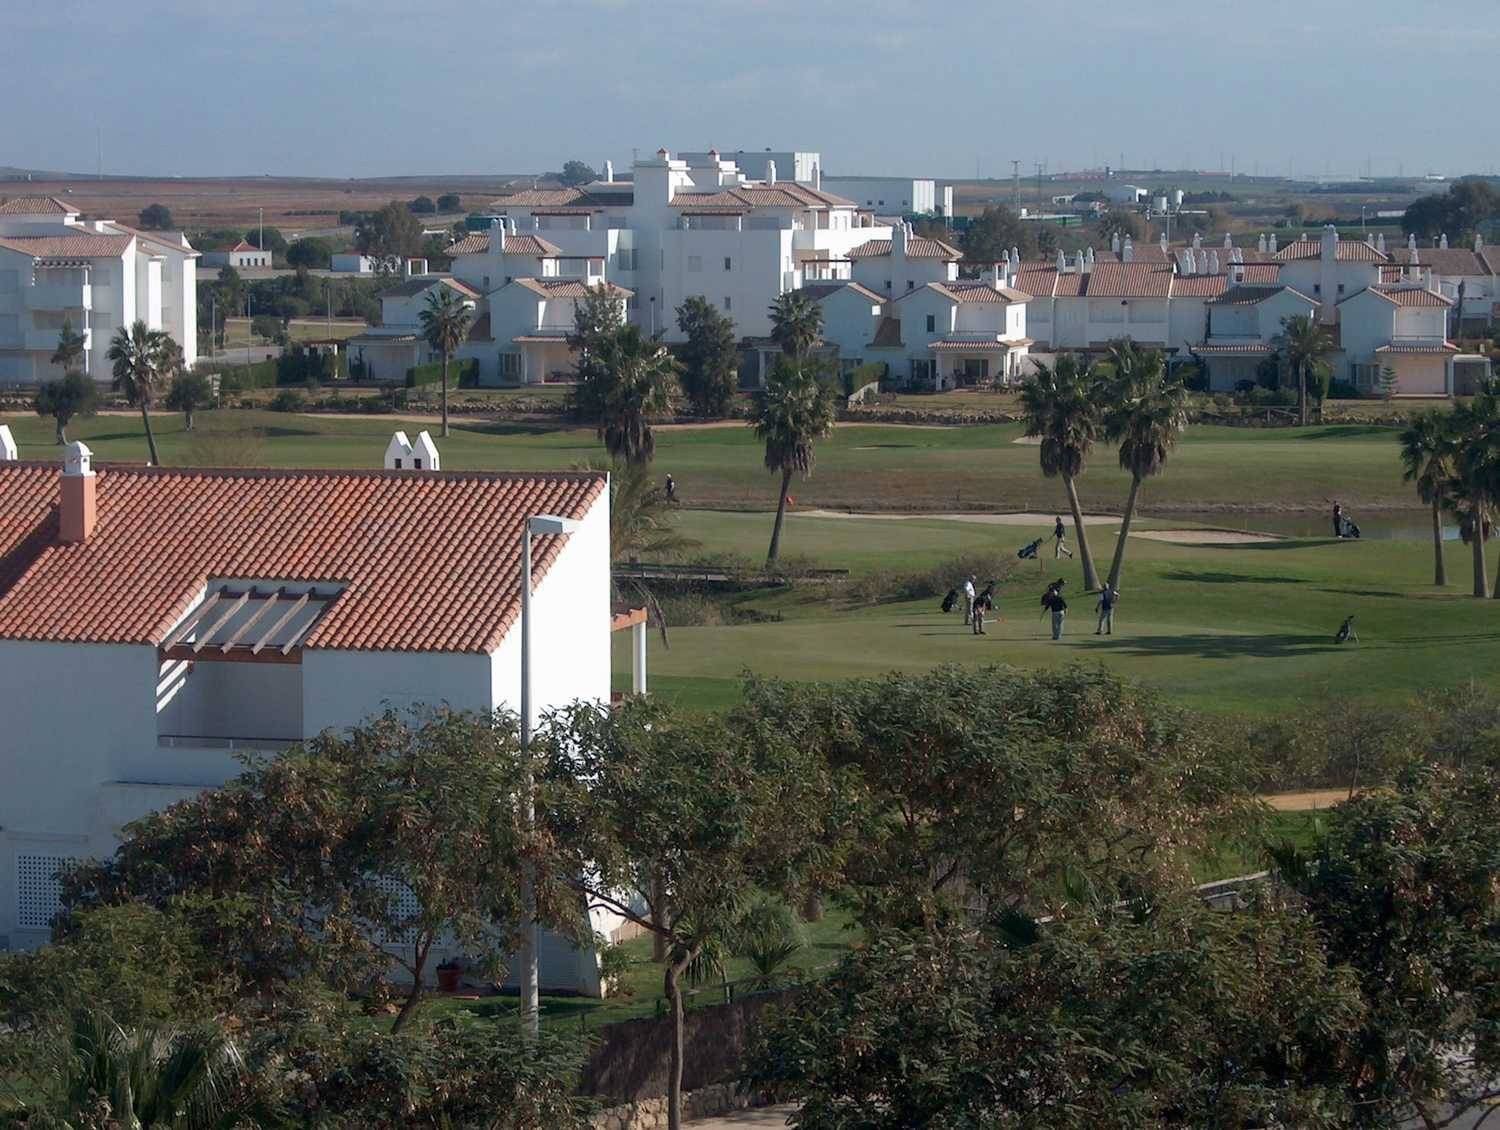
760,264
888,195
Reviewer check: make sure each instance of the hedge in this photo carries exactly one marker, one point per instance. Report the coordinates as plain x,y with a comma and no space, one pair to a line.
244,377
463,372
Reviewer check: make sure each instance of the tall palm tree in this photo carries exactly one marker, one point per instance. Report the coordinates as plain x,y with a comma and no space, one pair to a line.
156,1078
796,324
445,325
792,413
144,360
1428,450
1061,405
1146,417
1475,488
69,349
630,380
1303,345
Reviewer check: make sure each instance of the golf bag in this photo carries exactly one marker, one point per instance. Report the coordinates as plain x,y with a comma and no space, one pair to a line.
950,600
1346,632
1027,553
1349,529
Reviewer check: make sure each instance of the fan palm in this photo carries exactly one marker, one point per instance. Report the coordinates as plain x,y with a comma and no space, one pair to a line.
1061,409
1428,451
1146,418
144,361
796,324
445,325
1303,345
792,413
630,380
1476,483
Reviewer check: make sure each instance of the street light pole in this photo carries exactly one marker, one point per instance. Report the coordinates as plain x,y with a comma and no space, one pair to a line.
530,994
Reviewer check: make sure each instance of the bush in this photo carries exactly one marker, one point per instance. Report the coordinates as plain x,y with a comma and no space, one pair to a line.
1343,390
298,366
462,373
889,586
870,372
242,378
266,326
288,400
1272,397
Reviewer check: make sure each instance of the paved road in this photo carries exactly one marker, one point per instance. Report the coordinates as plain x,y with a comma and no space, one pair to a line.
765,1118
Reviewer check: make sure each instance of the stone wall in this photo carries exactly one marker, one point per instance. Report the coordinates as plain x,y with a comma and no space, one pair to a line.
651,1114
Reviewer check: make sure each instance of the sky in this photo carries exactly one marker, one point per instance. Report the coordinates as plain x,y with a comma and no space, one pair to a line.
356,88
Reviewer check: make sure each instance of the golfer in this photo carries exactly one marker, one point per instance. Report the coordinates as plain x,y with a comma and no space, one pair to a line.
981,605
969,601
1053,601
1106,609
1059,541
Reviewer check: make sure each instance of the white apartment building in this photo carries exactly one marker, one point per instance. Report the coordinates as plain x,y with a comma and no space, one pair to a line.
297,601
97,275
792,164
895,196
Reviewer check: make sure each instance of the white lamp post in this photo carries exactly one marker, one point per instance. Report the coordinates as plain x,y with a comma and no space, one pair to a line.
540,524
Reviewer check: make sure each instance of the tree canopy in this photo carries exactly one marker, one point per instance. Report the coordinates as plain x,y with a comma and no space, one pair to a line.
155,217
391,233
709,357
576,173
1469,206
992,234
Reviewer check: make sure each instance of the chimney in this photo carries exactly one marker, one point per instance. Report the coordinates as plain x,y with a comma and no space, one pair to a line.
1271,244
497,237
817,176
1015,256
1062,262
78,514
663,154
1127,252
1260,244
8,452
1411,242
1444,243
1213,262
1330,243
770,172
1228,243
1380,243
1162,241
1478,243
609,171
899,234
1197,241
1114,243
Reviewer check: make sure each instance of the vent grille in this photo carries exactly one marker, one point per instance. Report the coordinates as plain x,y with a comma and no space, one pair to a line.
39,889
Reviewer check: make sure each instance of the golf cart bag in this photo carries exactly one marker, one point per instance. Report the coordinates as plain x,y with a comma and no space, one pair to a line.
1027,553
1349,530
1346,632
950,600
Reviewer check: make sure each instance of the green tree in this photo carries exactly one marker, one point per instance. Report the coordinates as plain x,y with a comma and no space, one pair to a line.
792,413
626,381
275,242
646,798
445,325
597,317
142,360
1390,384
70,347
1427,458
576,172
1156,1015
311,253
796,324
1405,887
991,234
1126,225
188,393
1303,347
423,206
1145,416
65,398
1475,487
709,357
231,292
449,202
1061,402
156,217
389,235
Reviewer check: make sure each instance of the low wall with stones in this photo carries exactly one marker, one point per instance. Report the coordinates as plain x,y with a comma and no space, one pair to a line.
651,1114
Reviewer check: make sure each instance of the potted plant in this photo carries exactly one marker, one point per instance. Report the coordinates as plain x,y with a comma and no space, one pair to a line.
448,974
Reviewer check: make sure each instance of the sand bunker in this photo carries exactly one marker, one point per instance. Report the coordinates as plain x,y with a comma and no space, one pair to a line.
1205,537
982,519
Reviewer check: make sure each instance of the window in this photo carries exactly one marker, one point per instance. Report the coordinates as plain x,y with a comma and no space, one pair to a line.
726,302
510,367
910,285
486,282
1341,288
728,263
887,286
1317,288
932,323
882,202
695,263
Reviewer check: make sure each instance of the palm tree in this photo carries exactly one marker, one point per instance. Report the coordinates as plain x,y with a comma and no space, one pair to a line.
796,324
445,325
630,380
792,412
1061,407
1146,418
1302,344
144,360
69,349
1427,453
156,1077
1475,487
640,517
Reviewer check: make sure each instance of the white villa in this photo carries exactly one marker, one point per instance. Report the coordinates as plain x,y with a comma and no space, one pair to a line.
98,275
197,613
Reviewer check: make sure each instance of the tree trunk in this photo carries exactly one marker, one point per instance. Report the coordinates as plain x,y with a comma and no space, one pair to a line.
188,414
674,1071
812,907
1439,567
662,917
62,433
409,1005
1302,394
445,394
1481,575
150,439
1114,569
1090,574
786,485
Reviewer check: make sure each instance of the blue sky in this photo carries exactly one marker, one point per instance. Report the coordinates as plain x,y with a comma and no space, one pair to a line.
375,87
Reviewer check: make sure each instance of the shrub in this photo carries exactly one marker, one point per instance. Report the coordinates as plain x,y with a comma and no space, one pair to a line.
1343,390
462,373
299,366
1194,378
288,400
868,373
245,377
1272,397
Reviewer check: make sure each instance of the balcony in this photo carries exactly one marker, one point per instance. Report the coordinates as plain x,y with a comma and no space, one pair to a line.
59,296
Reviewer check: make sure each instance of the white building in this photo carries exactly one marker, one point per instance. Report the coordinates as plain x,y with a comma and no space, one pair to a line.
240,256
97,275
798,165
386,351
898,196
295,602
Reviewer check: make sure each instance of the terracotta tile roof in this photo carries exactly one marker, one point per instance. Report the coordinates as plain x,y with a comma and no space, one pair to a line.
917,247
1490,256
1454,262
1037,281
35,206
977,345
161,239
1251,295
1410,296
970,291
479,244
1347,251
541,198
1129,280
243,245
1071,285
428,559
716,210
81,246
566,288
413,287
1143,252
818,291
887,334
1261,272
1199,286
539,339
1418,347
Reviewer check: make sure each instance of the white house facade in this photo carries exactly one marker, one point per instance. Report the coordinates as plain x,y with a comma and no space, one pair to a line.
95,275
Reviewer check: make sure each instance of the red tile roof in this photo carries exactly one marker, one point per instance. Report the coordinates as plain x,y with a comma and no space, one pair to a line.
1130,280
1037,281
917,247
969,291
428,559
1418,347
542,197
1261,272
81,246
1250,295
1241,349
1411,296
1454,262
479,244
162,239
1199,286
35,206
1347,251
566,288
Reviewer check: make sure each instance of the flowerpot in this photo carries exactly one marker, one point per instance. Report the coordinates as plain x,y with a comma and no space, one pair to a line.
448,979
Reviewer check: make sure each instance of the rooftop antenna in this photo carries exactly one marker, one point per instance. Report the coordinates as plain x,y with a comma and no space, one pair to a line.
99,144
1015,173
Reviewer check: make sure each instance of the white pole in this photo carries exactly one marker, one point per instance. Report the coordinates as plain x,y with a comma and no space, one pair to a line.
530,1014
638,665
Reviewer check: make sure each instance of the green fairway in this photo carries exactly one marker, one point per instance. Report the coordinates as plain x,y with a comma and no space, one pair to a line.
1242,629
861,467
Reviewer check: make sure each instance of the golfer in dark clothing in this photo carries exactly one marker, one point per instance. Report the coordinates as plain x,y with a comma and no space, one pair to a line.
1059,538
1346,632
1106,610
1053,601
671,489
1338,520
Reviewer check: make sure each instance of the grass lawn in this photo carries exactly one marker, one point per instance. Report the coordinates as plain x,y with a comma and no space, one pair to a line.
861,467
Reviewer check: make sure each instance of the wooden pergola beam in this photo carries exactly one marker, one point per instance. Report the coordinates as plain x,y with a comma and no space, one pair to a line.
280,623
269,603
194,618
205,636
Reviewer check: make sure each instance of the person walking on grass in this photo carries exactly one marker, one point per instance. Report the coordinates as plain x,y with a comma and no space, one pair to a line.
1060,541
671,489
969,600
981,606
1052,601
1106,609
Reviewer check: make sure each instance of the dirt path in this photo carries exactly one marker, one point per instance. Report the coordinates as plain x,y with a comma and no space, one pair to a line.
1307,801
766,1116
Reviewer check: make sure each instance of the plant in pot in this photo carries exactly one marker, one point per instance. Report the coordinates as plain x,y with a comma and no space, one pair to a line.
448,974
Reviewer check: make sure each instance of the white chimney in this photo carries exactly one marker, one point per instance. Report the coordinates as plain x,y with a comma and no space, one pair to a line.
609,171
1089,258
1380,243
78,514
398,453
899,236
497,237
1197,241
1062,262
817,176
1478,242
424,454
1411,242
8,451
770,172
1190,260
1015,257
1228,243
1162,241
1330,243
1444,244
1416,256
1213,262
1260,244
1127,253
1271,244
1114,243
